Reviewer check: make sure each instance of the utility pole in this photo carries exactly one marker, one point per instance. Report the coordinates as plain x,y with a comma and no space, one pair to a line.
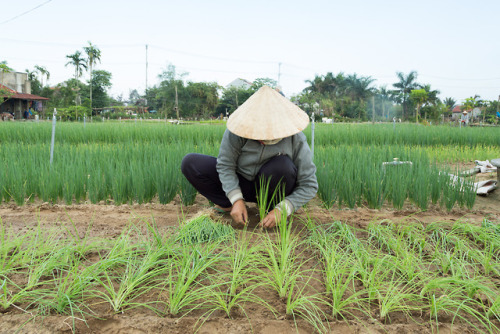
146,90
176,103
373,109
383,110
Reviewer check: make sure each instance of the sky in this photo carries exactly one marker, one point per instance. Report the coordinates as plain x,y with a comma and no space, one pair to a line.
453,45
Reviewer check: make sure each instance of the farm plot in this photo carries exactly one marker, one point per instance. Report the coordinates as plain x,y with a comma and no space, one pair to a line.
89,268
133,262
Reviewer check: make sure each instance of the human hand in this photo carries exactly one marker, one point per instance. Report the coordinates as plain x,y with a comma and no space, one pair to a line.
269,221
239,212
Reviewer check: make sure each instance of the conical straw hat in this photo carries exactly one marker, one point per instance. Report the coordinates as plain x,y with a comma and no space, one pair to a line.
267,115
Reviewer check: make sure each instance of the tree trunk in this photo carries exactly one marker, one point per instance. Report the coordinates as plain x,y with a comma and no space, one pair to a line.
90,86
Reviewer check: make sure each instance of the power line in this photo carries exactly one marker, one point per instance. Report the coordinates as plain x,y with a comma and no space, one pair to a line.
215,58
29,11
458,79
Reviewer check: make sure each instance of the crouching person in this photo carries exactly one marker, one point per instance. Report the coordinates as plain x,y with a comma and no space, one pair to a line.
263,145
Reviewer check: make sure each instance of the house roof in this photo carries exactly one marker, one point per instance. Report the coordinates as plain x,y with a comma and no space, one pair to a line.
457,109
21,96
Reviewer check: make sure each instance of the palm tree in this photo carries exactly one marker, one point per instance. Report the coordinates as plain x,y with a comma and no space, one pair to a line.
404,87
31,75
359,89
93,55
432,95
385,96
450,103
315,85
78,62
43,72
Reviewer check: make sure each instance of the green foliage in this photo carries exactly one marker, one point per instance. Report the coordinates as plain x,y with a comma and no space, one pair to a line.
101,82
73,113
231,99
203,229
438,275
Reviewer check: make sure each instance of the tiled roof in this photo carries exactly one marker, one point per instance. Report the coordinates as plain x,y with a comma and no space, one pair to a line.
22,96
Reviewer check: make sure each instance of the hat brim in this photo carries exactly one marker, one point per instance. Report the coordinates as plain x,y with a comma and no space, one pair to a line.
267,115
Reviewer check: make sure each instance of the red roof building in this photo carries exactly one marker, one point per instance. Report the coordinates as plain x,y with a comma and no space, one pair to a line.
17,104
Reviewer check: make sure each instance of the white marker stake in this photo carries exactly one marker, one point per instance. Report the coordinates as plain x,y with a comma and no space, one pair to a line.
53,136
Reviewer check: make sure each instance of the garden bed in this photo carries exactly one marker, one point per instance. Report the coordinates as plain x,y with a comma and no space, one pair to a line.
76,223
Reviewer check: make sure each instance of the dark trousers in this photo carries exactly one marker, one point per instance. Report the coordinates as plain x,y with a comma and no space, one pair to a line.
200,170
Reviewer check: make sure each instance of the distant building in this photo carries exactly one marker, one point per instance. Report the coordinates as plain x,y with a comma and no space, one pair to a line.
16,97
457,113
240,84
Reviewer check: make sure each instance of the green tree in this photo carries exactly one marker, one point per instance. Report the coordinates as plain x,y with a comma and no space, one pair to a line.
203,98
404,86
259,82
93,56
384,101
42,70
133,96
64,94
419,96
491,109
36,86
358,88
78,62
101,82
231,99
171,92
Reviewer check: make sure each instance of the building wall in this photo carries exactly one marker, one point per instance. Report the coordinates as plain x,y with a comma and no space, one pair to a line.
17,81
240,84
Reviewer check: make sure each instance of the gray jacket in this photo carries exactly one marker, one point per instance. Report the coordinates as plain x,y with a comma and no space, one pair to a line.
246,157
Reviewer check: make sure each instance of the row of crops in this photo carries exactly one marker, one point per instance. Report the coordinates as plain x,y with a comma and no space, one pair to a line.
139,162
438,274
210,134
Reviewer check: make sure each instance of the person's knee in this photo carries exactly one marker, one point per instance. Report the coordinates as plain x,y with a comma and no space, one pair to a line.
187,163
281,167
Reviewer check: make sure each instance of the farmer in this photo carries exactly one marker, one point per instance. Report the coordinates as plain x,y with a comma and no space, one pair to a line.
263,141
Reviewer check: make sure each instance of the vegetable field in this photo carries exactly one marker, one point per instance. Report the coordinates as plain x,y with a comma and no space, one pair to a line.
110,237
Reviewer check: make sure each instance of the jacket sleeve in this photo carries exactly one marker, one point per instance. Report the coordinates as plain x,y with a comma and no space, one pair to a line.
306,185
227,160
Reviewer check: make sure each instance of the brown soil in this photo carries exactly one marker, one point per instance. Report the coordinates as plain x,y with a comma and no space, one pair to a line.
108,221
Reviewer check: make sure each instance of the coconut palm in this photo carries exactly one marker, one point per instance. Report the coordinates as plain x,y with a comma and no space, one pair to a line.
93,55
450,103
315,85
432,95
43,72
78,62
385,97
358,88
404,87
